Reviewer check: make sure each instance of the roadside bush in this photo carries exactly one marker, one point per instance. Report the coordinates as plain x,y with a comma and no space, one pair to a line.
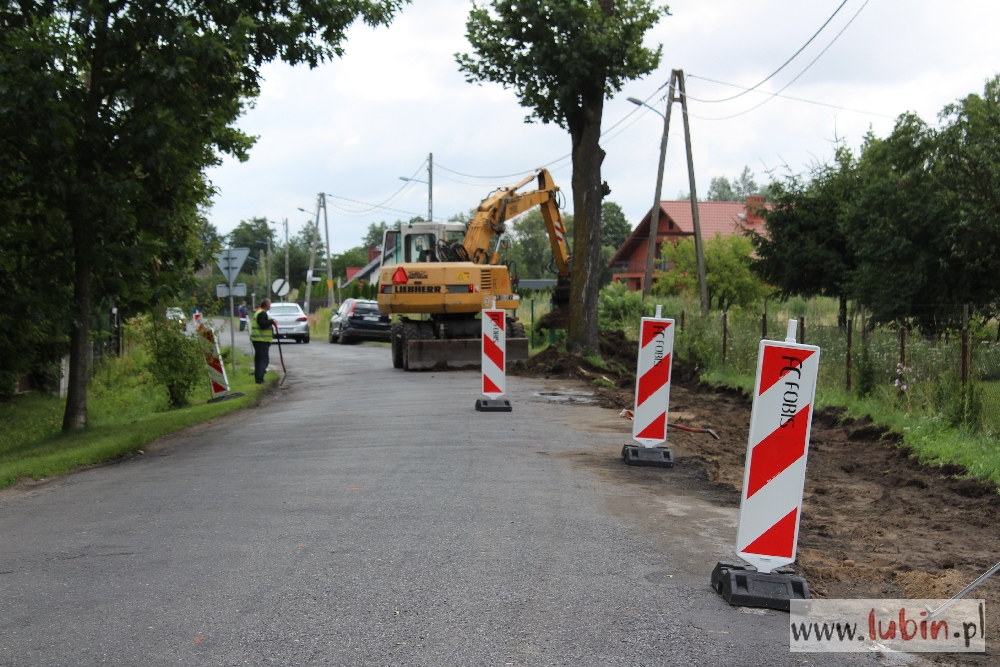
620,308
175,359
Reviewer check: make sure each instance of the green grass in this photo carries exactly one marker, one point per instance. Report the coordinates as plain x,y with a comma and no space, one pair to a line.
125,413
931,438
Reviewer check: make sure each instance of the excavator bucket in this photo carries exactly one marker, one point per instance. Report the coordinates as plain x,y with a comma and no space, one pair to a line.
457,353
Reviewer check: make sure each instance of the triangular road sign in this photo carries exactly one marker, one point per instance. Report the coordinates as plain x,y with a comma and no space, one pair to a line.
230,262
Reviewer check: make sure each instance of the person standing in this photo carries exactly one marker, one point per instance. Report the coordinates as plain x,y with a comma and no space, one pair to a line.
242,311
261,334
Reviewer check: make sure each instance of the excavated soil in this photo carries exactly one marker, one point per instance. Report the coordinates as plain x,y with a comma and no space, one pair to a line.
876,523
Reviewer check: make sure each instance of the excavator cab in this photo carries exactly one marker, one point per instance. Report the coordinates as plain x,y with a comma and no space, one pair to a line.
418,242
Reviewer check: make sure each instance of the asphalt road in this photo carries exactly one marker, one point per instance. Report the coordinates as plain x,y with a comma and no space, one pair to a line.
366,516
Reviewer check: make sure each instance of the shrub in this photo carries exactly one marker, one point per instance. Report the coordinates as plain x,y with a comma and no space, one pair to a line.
618,306
175,359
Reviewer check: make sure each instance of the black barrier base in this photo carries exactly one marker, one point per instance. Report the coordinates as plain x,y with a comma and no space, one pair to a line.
488,405
743,586
657,457
235,394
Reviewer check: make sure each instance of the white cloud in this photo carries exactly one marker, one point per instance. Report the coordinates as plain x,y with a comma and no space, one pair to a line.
354,126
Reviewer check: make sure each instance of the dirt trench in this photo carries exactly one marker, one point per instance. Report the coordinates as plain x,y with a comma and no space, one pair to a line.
876,523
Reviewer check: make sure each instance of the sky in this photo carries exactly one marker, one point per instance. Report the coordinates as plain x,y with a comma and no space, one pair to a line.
352,127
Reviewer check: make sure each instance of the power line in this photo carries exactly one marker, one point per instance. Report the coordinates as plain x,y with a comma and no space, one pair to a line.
568,155
374,206
785,64
385,201
785,87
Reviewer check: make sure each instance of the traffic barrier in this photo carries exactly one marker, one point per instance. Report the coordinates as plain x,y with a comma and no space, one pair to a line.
494,369
775,474
217,379
652,394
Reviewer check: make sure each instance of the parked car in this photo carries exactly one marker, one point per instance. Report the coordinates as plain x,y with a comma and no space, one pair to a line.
358,320
176,315
292,321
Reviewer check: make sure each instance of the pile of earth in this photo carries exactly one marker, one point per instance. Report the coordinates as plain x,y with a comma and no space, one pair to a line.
612,380
876,521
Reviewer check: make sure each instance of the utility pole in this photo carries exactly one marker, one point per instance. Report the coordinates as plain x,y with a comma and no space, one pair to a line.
286,253
267,271
676,81
430,187
329,263
698,249
312,254
654,213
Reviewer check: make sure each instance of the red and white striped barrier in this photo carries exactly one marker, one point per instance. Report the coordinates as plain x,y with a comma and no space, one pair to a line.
494,352
213,360
652,380
780,423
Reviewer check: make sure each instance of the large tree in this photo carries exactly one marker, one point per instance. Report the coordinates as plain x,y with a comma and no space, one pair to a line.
136,98
563,58
805,250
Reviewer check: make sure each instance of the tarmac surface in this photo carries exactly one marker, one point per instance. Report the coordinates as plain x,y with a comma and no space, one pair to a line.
366,516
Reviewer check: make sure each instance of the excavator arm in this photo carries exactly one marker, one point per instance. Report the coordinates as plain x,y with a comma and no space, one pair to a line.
488,222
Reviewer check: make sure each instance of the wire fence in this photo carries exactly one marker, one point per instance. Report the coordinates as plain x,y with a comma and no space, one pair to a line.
954,376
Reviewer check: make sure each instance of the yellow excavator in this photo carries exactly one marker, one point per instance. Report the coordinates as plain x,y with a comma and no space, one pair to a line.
438,276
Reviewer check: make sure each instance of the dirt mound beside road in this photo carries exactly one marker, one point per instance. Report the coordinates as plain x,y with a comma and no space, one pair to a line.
875,521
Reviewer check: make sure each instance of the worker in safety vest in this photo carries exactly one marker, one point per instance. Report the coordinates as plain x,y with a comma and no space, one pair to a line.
261,333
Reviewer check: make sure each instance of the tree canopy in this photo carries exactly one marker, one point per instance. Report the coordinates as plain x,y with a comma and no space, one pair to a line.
110,113
731,281
562,59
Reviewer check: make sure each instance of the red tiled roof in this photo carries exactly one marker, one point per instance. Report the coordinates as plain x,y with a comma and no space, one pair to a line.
716,217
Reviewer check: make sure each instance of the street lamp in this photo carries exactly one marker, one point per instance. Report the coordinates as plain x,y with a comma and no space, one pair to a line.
430,195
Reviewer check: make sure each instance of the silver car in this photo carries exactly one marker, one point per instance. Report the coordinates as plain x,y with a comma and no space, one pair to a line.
292,321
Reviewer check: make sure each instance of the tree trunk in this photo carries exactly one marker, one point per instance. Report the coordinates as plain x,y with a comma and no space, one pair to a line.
588,192
75,416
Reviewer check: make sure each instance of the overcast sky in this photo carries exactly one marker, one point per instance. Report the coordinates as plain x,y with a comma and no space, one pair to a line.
352,127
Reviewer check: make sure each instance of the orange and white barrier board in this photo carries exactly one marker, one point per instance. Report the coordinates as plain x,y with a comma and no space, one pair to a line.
780,423
494,352
213,360
652,380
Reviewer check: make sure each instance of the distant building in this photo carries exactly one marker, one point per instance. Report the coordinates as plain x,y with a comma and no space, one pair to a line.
717,217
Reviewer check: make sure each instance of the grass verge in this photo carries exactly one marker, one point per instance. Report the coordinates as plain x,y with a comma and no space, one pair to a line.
931,438
32,446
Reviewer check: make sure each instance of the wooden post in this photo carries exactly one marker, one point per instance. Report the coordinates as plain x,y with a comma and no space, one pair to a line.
532,341
802,330
902,346
850,329
763,321
965,345
725,335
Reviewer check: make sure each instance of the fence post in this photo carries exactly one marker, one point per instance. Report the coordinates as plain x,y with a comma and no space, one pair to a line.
864,327
682,321
902,346
532,341
763,321
725,335
850,330
802,330
965,345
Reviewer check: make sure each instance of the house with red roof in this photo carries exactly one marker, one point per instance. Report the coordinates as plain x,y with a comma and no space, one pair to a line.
716,217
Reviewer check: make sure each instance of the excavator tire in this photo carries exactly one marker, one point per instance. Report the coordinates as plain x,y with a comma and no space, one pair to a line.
515,330
411,331
396,338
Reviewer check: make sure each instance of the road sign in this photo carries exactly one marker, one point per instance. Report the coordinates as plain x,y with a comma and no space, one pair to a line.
652,378
239,289
230,262
280,287
775,471
494,349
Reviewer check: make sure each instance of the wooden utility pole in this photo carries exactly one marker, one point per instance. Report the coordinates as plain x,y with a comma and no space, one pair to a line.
312,255
329,263
676,83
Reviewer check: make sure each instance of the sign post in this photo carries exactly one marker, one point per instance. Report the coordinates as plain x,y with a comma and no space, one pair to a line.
494,367
230,262
775,474
652,394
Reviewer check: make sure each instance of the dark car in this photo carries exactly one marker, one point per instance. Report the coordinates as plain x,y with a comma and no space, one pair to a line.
358,320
